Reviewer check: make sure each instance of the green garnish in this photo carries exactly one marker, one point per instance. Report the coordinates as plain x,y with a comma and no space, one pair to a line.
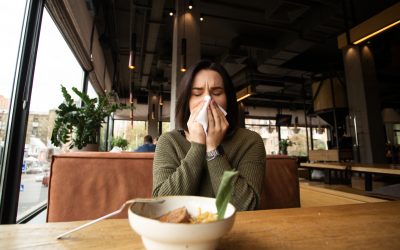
224,193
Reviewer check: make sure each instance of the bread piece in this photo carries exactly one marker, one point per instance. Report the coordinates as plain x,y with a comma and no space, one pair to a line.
179,215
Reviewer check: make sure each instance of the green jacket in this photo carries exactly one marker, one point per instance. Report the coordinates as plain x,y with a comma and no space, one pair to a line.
180,168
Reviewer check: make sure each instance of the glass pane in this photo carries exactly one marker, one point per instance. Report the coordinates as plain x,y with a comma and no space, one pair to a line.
320,138
267,130
165,127
134,134
11,19
55,65
298,138
90,91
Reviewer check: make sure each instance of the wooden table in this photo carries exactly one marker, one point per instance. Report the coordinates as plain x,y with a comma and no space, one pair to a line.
328,168
366,226
369,169
347,167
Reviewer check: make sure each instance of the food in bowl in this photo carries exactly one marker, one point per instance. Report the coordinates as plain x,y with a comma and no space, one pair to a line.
144,219
181,215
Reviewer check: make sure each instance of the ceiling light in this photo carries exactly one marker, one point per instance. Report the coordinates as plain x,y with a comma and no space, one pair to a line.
171,12
371,27
244,93
201,18
131,64
183,55
132,49
190,4
296,128
320,130
160,98
377,32
270,128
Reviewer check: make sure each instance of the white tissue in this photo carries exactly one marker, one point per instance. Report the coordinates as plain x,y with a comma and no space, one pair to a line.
202,116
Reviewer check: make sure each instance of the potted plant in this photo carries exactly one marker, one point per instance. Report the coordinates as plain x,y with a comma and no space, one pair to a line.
119,142
283,145
80,126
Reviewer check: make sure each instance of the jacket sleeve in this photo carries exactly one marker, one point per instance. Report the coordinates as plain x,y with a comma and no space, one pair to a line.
175,173
248,184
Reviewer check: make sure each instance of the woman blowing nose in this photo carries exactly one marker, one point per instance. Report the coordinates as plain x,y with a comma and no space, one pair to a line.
191,160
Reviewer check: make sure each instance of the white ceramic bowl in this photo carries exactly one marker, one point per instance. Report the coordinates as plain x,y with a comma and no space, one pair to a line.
158,235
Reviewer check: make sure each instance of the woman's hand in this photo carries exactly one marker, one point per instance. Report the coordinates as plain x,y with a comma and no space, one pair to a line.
217,126
196,131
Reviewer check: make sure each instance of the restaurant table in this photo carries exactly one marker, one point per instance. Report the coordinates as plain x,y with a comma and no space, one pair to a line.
356,226
348,167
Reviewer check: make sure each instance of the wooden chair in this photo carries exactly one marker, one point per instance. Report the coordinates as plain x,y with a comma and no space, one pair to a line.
281,183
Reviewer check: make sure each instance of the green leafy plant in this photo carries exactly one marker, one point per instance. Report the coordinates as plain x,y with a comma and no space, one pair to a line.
284,144
80,125
119,142
224,193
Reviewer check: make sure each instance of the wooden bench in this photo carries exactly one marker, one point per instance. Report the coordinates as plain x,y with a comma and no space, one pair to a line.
87,185
348,168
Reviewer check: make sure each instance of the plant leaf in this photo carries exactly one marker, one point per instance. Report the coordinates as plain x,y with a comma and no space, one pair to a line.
224,193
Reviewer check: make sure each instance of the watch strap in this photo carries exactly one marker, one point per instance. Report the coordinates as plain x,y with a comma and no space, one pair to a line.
211,155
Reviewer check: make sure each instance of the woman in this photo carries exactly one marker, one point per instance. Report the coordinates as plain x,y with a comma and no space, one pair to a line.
191,161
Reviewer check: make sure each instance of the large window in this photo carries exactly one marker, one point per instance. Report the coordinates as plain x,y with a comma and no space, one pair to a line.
267,130
135,132
55,65
298,138
11,21
269,133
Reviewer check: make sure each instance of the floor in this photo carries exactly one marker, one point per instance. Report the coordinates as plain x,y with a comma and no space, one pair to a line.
317,193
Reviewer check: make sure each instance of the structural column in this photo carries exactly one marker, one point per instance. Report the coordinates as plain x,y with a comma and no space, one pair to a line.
186,25
364,103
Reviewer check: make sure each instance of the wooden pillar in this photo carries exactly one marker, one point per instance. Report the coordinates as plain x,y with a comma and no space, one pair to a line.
364,103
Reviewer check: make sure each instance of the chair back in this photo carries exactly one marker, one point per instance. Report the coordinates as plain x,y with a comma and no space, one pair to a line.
281,183
88,185
96,183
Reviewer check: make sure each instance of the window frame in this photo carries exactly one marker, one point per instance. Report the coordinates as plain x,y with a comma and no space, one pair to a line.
18,112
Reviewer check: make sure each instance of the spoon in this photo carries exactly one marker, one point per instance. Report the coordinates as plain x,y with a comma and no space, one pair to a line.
128,202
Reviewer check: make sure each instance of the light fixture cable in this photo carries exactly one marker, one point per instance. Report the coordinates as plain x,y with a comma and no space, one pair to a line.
132,47
183,45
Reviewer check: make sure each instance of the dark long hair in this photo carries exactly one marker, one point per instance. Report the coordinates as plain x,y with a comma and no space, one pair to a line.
182,106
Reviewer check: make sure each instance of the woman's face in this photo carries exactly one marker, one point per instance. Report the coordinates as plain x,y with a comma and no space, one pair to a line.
207,82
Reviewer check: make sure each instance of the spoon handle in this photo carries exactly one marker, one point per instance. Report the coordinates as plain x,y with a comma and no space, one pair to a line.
87,224
61,236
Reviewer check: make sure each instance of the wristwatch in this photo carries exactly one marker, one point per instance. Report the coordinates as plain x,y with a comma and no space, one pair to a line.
211,155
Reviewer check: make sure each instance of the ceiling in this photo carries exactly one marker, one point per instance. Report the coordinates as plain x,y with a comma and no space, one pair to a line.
277,45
